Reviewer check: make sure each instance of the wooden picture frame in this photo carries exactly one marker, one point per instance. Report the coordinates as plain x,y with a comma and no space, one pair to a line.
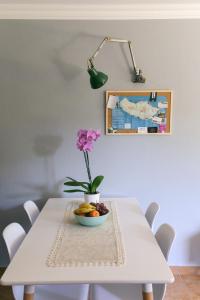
138,112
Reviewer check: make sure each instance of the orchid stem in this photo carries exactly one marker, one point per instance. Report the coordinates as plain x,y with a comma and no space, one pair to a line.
86,157
89,174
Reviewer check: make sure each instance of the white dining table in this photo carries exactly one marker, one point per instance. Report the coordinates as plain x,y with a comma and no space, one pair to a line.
144,262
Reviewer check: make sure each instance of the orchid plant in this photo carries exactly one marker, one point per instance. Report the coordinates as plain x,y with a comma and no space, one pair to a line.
85,140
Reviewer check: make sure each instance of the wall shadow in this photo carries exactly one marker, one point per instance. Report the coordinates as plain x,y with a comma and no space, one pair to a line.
194,249
45,146
68,70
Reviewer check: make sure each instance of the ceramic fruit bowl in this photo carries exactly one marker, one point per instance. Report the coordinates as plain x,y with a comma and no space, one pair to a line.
91,221
91,214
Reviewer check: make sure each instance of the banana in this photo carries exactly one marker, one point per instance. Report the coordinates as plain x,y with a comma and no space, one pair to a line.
83,210
86,205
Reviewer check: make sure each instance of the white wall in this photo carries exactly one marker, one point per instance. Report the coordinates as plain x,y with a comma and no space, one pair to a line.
45,98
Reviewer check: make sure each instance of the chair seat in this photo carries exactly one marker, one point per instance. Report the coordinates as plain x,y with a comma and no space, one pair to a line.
124,291
58,292
116,292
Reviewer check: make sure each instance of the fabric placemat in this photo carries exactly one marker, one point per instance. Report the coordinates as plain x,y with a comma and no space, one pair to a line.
77,245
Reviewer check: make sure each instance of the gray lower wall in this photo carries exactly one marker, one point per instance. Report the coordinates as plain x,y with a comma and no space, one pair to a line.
45,98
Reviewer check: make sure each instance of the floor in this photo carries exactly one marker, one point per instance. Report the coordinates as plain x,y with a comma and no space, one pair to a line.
5,292
186,287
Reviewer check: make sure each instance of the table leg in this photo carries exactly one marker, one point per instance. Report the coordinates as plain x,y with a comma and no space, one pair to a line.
29,292
28,296
90,292
147,291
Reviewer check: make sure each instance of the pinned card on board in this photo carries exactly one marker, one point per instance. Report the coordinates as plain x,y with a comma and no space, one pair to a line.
112,102
142,130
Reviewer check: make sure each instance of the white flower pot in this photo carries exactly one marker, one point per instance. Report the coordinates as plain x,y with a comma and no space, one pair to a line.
92,198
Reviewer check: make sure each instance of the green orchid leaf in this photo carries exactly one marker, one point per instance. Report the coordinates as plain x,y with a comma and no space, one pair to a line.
74,191
96,183
89,188
84,182
71,179
76,183
72,183
74,180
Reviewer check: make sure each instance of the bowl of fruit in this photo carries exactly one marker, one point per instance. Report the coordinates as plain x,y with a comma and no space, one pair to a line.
91,214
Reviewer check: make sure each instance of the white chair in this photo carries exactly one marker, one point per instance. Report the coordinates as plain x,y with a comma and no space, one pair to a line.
31,210
13,235
165,236
151,212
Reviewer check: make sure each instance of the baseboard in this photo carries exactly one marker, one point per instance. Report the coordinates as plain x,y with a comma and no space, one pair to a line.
185,270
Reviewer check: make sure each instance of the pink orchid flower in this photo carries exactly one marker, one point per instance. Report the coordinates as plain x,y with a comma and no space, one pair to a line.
85,139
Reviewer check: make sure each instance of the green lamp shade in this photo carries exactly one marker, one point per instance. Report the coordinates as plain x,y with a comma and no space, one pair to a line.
97,79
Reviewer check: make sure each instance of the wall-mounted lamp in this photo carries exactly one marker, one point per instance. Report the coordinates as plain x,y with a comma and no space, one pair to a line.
98,79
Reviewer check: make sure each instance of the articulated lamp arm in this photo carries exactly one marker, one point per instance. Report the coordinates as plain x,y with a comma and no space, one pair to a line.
138,77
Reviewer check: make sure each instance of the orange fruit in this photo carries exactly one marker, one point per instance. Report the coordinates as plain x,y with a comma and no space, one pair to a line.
94,213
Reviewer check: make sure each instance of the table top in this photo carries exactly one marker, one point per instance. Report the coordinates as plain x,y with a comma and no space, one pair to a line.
144,261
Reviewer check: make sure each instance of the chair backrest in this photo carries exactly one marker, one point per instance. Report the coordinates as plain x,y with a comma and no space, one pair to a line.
165,236
151,212
13,236
31,210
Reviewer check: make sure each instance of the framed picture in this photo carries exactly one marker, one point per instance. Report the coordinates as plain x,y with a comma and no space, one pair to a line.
138,112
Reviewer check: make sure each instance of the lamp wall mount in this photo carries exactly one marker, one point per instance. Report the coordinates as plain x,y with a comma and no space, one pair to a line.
98,79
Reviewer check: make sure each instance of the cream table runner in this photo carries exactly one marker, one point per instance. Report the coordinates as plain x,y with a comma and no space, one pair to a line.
77,245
